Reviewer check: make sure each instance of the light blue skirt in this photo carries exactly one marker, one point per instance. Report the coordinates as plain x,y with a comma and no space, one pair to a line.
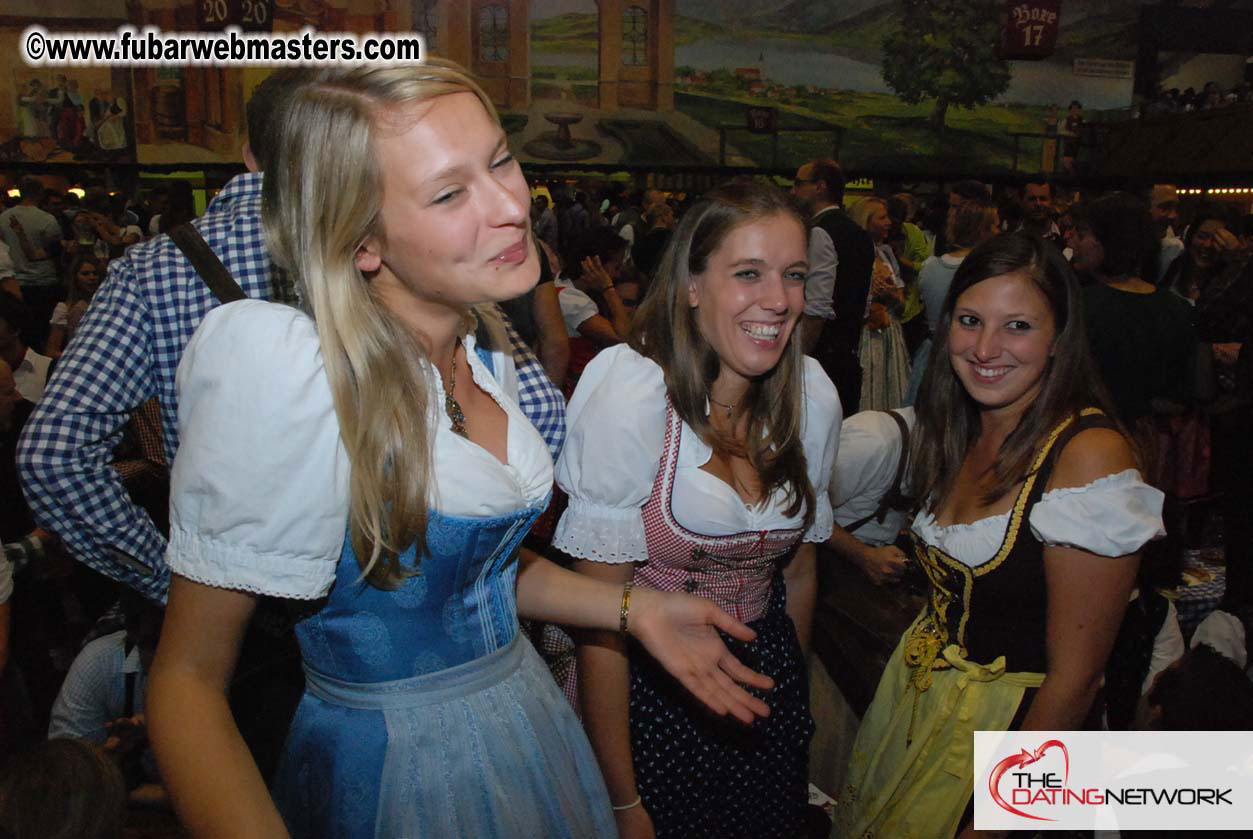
489,749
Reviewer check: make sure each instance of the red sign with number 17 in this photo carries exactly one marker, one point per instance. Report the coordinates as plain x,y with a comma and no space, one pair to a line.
1030,28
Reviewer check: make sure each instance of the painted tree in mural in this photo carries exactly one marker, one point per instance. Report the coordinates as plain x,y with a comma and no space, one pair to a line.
946,50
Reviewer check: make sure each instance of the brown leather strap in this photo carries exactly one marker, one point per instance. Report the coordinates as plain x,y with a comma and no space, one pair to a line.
207,264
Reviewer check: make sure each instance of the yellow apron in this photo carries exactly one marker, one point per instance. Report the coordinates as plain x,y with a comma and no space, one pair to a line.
912,766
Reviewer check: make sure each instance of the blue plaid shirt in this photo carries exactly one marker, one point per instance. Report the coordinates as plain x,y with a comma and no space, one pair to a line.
127,350
541,401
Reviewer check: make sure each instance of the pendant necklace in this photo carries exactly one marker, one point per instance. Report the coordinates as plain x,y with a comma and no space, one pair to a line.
724,406
451,406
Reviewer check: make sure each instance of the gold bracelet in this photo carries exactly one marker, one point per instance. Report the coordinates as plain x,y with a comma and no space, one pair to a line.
625,613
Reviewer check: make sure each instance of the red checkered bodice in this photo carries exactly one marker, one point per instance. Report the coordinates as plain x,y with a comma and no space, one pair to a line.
733,571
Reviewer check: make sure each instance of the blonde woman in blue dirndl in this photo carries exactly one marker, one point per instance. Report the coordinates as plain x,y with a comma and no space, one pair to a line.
367,455
1033,517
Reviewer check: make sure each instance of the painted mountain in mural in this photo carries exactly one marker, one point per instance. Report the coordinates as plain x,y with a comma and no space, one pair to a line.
727,11
821,17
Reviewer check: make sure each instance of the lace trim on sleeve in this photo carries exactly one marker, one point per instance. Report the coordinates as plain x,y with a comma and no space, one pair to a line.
602,534
1114,479
216,563
820,530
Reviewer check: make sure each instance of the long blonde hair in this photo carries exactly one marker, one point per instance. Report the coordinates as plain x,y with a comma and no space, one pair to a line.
321,199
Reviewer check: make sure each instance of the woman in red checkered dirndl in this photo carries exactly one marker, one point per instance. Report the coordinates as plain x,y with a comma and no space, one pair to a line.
698,460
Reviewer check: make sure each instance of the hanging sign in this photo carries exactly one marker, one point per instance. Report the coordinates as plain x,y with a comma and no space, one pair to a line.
1030,29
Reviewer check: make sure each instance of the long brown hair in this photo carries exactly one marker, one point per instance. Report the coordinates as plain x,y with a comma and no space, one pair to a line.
948,418
665,331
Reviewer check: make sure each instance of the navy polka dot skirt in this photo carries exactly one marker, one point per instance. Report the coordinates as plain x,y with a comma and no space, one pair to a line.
705,776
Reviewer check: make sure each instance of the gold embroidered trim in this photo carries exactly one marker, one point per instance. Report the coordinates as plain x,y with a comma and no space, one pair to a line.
929,636
1020,503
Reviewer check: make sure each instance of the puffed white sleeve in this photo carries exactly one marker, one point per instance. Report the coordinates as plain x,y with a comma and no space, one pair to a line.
259,487
821,436
616,425
1112,516
576,307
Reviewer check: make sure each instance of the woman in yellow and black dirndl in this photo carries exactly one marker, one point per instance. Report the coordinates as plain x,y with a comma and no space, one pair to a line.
1033,515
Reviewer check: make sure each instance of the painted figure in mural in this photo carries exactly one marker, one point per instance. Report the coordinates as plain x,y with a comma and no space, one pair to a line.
97,110
71,124
1073,129
57,89
31,116
111,132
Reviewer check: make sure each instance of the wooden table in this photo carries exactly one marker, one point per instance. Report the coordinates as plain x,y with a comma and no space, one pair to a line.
857,626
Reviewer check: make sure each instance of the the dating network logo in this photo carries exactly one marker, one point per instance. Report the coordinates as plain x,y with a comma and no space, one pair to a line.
1133,780
1027,787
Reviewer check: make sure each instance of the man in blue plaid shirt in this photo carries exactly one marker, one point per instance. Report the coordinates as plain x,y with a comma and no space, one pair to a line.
127,350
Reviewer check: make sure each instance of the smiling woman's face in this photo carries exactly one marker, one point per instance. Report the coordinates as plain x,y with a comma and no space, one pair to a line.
1203,246
1001,339
751,293
455,214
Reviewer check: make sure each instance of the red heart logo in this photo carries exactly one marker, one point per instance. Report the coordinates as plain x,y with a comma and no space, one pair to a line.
1025,758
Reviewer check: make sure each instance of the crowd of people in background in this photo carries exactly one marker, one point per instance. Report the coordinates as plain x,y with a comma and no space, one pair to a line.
1211,96
1127,317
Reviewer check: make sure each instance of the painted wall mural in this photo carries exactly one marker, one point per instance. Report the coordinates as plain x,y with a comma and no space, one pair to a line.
68,115
63,114
910,86
899,85
149,115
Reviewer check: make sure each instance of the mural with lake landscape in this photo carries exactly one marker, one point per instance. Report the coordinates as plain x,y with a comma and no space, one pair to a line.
897,86
821,64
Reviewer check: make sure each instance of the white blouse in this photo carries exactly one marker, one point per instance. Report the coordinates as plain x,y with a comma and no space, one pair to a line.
1112,516
869,453
616,427
259,488
576,306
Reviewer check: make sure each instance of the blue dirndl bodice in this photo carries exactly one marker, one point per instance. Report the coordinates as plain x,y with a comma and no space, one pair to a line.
426,713
458,607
